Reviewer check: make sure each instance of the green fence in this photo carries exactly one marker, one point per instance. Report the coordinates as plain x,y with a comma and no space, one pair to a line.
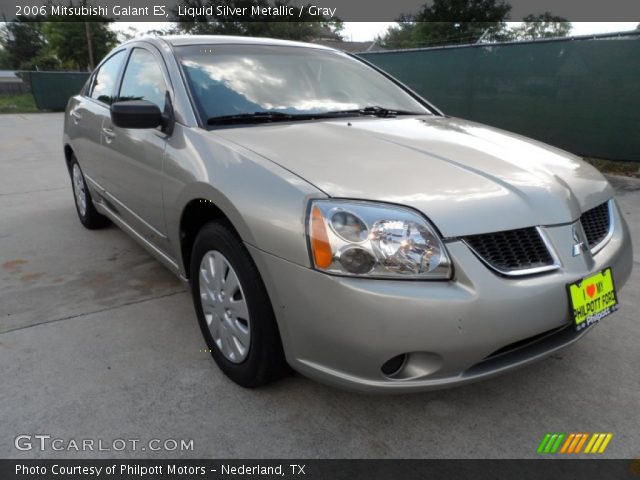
51,90
581,94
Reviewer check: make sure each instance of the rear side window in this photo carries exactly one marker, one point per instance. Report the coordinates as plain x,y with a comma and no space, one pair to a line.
143,79
104,82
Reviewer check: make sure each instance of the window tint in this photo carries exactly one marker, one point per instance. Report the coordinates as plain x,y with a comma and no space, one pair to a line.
105,79
143,79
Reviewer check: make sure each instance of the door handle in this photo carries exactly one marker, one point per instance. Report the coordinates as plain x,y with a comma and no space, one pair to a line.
75,116
108,133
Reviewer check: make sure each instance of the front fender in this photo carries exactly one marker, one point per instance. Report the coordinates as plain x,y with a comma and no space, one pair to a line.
265,203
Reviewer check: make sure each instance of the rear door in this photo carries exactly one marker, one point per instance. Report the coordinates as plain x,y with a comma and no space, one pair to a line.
88,112
134,157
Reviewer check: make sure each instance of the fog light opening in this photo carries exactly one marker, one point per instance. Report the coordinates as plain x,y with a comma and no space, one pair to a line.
412,366
394,365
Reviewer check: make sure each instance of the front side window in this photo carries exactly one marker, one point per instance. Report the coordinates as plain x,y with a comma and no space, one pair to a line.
243,79
105,79
143,79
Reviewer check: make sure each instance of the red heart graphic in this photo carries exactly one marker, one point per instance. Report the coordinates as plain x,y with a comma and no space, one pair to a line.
591,290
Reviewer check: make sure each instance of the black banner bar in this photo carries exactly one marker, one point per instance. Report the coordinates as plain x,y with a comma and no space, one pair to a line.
547,469
299,10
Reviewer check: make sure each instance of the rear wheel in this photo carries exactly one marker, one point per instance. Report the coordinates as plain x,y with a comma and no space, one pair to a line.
233,308
89,216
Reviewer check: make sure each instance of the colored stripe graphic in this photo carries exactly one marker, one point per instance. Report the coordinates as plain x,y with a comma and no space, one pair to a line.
598,443
550,443
556,445
605,443
591,442
565,447
581,442
573,443
543,443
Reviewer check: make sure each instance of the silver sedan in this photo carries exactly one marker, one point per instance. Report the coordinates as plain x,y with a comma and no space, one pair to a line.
329,219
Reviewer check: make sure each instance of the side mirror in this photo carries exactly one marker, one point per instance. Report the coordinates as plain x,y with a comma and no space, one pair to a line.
136,114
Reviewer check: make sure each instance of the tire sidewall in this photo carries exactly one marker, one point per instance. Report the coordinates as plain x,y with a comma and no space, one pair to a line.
83,218
264,346
91,219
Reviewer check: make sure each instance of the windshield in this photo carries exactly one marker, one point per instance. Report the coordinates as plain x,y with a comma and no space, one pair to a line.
234,80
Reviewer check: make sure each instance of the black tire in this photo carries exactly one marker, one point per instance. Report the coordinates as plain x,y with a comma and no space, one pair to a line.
90,217
265,361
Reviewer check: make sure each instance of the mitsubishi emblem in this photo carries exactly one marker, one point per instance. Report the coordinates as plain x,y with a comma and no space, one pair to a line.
579,244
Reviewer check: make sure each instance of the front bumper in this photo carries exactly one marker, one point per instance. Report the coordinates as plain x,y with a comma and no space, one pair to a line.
341,330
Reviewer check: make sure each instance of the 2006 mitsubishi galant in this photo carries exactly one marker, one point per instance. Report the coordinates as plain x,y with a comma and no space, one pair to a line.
329,219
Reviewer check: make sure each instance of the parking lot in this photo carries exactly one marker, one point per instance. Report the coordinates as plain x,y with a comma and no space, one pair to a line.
99,341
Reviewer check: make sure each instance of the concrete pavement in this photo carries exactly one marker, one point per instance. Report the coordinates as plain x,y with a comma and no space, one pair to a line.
98,341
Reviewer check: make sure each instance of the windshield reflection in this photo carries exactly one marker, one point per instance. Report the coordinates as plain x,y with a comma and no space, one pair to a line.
241,79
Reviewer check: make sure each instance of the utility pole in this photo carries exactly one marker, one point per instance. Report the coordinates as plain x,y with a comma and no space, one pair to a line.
87,29
483,36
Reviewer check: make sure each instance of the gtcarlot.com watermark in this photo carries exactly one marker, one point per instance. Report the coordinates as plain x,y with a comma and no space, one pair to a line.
49,443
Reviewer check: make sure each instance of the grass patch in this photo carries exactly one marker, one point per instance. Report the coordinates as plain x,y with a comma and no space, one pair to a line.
615,167
23,103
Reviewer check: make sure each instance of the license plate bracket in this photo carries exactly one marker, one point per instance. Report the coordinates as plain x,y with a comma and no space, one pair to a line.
592,298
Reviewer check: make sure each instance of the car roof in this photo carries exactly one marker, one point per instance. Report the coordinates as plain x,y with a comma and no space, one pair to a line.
182,40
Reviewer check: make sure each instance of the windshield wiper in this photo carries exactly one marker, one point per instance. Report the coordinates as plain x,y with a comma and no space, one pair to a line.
266,117
377,111
253,117
275,116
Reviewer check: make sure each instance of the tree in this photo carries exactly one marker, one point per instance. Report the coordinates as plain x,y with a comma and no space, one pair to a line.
56,42
22,41
5,64
450,22
544,25
399,35
128,34
69,38
306,27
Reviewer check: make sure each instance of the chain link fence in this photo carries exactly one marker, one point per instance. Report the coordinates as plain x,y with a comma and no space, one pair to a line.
581,94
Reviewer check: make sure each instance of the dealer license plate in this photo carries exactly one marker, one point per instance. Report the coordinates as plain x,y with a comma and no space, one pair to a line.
592,299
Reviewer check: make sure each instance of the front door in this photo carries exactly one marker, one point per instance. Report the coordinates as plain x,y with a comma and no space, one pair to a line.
87,115
134,157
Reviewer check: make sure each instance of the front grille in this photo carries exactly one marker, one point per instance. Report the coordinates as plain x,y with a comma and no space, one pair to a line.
512,250
596,223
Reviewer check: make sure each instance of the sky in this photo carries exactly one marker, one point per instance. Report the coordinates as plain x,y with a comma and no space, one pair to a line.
365,31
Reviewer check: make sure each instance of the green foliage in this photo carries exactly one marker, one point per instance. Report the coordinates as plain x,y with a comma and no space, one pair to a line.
56,42
432,25
5,62
43,61
304,28
67,40
544,25
398,36
21,41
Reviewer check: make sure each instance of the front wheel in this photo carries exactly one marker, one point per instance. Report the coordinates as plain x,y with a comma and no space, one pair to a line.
233,308
89,216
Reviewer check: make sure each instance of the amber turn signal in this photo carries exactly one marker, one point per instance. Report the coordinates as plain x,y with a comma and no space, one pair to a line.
322,255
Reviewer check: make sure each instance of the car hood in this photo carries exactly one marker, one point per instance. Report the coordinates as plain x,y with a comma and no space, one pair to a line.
467,178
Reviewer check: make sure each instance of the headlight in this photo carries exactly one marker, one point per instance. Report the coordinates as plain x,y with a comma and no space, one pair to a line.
375,240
